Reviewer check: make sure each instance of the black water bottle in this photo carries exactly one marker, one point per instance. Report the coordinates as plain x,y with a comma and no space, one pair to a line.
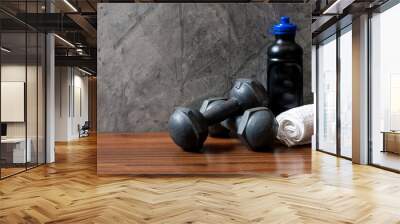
285,68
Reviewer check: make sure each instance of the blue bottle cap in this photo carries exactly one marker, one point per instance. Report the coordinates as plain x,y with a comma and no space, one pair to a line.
285,27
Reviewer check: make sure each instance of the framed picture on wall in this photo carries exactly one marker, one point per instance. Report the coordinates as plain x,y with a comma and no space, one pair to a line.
12,101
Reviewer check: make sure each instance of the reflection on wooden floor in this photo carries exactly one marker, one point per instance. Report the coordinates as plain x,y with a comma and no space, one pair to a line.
69,191
155,153
8,171
12,169
387,159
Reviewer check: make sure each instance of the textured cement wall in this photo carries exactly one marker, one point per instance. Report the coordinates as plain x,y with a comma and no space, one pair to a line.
154,57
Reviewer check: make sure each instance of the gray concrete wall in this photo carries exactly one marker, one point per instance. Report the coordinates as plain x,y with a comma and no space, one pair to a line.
154,57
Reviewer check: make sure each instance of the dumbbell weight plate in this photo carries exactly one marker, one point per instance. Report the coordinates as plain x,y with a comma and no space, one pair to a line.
188,129
258,128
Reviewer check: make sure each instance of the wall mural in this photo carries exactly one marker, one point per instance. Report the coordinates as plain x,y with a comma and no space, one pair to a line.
155,57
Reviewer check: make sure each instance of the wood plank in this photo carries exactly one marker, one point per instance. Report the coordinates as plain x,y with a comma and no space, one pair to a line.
155,153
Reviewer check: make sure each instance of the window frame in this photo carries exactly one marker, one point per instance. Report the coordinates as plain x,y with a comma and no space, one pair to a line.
339,28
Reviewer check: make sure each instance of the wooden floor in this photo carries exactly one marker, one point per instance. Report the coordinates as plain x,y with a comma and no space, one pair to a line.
155,153
69,191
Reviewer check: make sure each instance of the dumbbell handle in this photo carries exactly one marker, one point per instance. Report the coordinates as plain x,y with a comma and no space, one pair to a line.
222,111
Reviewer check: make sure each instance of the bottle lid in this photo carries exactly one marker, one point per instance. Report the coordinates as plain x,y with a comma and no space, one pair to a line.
284,27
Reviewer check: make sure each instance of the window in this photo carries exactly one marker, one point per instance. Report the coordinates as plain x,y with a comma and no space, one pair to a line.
346,74
326,94
385,89
22,77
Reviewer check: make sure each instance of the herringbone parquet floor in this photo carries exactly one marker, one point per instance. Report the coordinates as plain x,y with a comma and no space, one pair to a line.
71,192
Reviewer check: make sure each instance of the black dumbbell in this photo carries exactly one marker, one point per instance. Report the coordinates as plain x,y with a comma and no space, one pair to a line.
189,128
257,128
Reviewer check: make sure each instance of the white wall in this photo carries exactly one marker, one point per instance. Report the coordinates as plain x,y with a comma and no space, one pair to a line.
12,73
33,127
62,82
17,73
71,102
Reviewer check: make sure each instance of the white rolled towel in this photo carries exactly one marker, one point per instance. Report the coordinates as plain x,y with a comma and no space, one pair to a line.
296,126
